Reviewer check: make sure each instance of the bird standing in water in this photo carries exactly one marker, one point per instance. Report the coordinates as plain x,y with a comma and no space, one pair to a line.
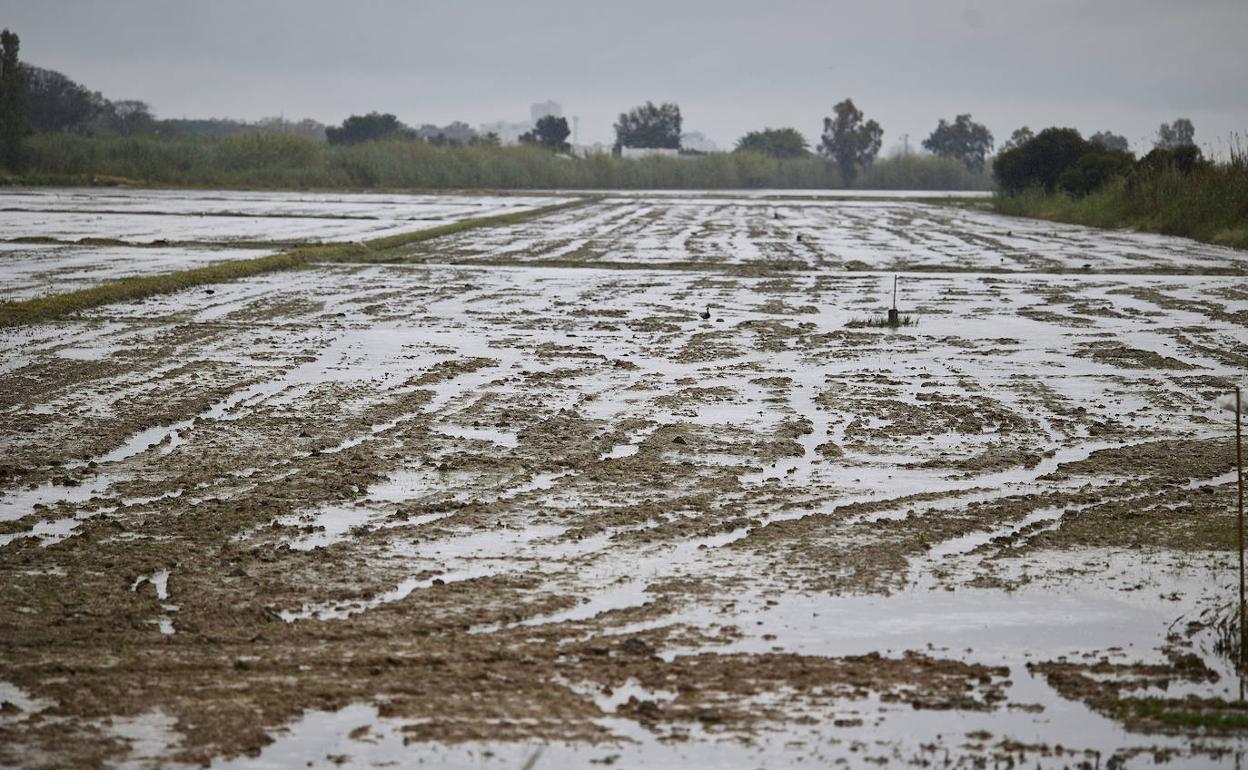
706,314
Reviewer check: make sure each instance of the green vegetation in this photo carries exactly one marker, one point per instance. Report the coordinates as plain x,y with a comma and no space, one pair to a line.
1211,715
1209,204
388,249
287,161
882,322
776,142
1172,190
963,140
849,140
14,102
649,126
551,133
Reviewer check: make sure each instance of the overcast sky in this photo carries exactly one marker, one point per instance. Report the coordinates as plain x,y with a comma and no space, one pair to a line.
732,65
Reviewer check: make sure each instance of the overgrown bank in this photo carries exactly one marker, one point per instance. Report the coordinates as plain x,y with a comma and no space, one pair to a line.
1173,191
1209,205
277,161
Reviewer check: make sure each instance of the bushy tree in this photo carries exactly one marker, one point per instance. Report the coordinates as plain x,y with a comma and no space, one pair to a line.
367,128
1184,159
129,117
1180,133
488,139
1110,140
57,103
1040,161
649,126
14,102
1017,139
776,142
551,133
849,140
963,140
1094,169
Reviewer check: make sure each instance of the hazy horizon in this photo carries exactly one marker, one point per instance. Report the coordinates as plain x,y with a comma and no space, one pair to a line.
732,66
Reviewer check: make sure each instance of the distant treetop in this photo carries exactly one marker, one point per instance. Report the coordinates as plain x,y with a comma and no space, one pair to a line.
1180,133
649,126
367,128
849,141
776,142
963,140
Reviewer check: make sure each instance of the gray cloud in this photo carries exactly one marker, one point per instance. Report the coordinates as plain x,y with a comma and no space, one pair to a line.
1124,65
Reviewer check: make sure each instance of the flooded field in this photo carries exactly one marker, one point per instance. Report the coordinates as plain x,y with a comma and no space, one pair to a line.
56,240
643,483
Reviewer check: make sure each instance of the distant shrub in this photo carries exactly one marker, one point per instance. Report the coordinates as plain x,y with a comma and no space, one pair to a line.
1041,161
1164,194
1095,169
1184,159
367,128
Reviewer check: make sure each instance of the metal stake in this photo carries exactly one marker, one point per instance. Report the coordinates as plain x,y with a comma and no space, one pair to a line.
1239,476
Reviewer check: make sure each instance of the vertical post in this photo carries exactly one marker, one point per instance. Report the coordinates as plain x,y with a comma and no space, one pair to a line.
1239,477
894,318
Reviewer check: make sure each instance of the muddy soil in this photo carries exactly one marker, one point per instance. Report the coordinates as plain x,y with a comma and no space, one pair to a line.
517,492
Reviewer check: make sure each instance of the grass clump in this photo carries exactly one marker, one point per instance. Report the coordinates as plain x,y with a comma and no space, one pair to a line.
882,322
1208,715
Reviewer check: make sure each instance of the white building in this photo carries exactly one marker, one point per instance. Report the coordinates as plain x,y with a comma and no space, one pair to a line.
649,152
509,132
698,142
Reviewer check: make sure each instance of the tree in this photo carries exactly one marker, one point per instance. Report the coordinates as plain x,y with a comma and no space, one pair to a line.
130,116
649,126
59,104
367,128
776,142
1094,169
488,139
14,102
1017,139
850,142
551,133
1041,161
963,140
1110,140
1180,133
1183,159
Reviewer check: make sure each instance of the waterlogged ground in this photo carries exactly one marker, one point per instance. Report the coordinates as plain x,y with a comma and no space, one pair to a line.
637,484
55,240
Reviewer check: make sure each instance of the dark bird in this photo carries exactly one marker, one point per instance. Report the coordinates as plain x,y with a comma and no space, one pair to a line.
706,314
210,291
799,237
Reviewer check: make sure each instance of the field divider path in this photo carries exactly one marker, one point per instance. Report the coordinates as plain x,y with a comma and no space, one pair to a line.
388,248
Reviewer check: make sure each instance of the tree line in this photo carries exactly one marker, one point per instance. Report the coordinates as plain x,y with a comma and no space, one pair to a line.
1062,160
37,100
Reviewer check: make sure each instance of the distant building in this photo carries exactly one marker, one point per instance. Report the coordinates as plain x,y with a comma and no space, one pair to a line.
586,150
649,152
544,109
509,132
697,141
